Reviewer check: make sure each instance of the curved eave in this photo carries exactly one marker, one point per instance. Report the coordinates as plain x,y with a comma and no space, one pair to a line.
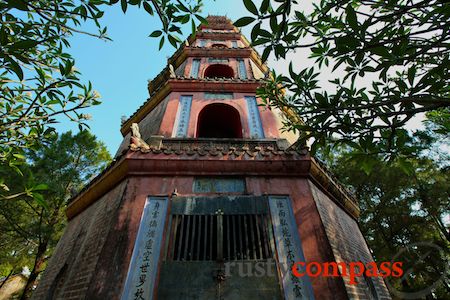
235,35
260,159
332,187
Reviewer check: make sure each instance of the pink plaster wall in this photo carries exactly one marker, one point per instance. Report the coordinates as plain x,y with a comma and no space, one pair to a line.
268,118
204,64
209,42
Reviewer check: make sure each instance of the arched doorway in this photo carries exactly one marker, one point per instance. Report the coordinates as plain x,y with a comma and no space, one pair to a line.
219,71
219,120
218,45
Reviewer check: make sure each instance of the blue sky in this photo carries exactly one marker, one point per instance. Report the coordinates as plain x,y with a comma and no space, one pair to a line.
120,69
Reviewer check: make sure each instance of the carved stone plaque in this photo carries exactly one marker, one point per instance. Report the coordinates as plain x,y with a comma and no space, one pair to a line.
142,272
289,248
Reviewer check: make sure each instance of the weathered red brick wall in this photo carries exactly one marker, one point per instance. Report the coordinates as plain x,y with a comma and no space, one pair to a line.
79,248
98,243
112,267
347,243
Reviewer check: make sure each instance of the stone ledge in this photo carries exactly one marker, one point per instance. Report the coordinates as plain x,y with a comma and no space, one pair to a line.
214,157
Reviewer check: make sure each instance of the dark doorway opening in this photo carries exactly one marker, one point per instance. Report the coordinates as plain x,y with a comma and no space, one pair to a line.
217,45
219,71
219,121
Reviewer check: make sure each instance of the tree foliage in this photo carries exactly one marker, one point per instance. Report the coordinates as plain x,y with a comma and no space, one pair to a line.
29,231
401,209
390,61
38,79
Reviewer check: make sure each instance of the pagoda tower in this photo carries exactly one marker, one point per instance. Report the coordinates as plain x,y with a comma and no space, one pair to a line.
206,199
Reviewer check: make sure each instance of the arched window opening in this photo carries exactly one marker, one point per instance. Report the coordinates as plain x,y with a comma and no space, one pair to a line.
219,45
219,121
220,71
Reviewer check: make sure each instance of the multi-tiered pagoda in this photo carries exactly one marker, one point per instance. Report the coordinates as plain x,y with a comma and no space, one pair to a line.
205,198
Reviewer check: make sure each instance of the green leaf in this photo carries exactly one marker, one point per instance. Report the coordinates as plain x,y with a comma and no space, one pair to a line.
351,17
273,23
19,4
25,44
19,156
367,164
251,7
264,6
15,67
161,43
40,200
155,33
380,51
172,41
148,8
280,51
266,54
40,187
124,4
255,31
193,27
405,166
264,33
260,42
411,74
182,7
62,69
185,19
68,67
201,19
4,187
244,21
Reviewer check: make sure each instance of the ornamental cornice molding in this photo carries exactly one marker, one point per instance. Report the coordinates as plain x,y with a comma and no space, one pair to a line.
175,159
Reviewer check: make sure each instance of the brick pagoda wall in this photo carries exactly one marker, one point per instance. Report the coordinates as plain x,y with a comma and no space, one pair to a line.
79,250
347,243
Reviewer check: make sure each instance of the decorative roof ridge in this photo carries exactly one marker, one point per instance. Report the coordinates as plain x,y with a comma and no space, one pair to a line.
202,151
219,32
217,150
218,79
326,170
216,48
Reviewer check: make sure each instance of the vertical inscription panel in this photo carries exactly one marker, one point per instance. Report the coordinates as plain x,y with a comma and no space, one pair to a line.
289,248
195,67
142,272
181,125
242,69
254,120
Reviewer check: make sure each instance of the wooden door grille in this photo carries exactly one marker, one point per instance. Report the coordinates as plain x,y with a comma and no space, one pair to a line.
222,237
